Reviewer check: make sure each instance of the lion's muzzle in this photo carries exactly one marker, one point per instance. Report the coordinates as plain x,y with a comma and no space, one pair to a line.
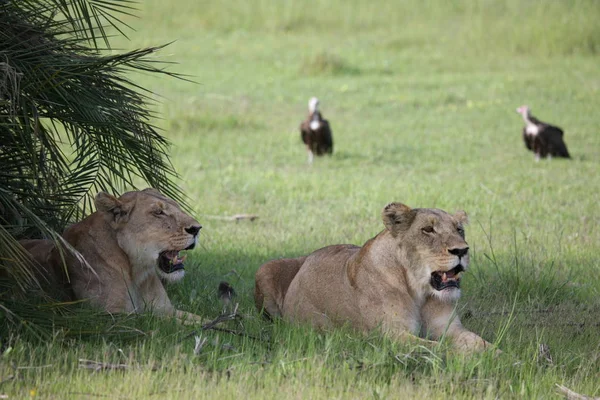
441,280
170,261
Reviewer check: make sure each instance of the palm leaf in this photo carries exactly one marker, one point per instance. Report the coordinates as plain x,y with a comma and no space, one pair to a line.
72,122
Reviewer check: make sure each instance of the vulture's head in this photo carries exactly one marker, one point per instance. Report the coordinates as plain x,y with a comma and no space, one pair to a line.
313,104
524,111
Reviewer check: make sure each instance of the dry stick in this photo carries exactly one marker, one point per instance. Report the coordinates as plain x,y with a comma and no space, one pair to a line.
571,395
212,325
544,353
97,366
233,218
222,318
112,396
35,367
242,334
100,366
200,342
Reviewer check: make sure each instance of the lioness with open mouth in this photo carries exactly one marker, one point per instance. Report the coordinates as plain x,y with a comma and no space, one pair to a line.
126,248
404,281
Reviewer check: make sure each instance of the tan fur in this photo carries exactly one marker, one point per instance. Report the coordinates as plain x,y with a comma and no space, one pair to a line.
386,284
119,247
274,278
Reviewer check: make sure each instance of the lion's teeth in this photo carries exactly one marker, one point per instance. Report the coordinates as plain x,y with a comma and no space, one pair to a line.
177,259
444,278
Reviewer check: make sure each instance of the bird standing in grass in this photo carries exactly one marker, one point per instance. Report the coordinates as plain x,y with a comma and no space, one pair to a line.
543,139
316,133
226,293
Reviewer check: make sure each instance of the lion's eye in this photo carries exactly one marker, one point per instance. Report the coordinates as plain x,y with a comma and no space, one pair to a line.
461,231
158,212
428,229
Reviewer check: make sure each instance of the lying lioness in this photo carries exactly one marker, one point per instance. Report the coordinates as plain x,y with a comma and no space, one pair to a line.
404,281
128,245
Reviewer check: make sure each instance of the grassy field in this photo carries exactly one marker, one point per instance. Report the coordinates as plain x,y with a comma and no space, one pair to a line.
421,96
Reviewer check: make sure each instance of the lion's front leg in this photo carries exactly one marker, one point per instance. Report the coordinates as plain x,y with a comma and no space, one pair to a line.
399,327
156,299
413,340
468,342
440,319
187,318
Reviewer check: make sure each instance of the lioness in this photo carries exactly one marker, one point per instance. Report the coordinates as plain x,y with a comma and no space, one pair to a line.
128,245
405,280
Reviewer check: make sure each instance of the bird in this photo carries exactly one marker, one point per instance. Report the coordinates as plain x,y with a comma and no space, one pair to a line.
226,293
543,139
315,132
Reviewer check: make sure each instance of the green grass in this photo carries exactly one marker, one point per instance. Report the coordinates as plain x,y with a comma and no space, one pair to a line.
421,98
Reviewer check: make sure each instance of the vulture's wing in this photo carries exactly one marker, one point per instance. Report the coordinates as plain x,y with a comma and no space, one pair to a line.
553,136
327,136
305,132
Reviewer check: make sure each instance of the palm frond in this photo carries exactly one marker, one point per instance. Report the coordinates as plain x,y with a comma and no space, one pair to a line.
72,122
44,321
87,18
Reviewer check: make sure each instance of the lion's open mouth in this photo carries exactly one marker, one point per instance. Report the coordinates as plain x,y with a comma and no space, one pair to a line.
441,280
170,261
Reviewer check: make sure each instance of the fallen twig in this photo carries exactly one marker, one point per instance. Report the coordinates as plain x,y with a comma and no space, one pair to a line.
233,218
212,325
571,395
222,318
100,366
200,342
544,353
35,367
242,334
112,396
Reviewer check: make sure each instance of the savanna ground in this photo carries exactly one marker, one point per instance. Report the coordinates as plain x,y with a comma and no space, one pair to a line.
421,96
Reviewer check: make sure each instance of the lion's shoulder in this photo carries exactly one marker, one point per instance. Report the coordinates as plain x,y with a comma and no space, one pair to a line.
333,251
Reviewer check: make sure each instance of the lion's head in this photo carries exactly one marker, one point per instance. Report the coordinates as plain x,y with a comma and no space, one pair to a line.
431,243
151,229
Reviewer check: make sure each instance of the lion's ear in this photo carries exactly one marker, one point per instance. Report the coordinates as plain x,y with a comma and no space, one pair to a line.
110,204
106,202
461,217
152,191
396,217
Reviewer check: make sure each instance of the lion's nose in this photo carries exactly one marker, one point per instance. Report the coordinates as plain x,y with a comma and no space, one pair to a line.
459,251
194,229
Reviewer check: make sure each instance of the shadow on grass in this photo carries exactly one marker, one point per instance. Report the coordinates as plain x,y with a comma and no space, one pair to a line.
532,309
538,299
493,292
